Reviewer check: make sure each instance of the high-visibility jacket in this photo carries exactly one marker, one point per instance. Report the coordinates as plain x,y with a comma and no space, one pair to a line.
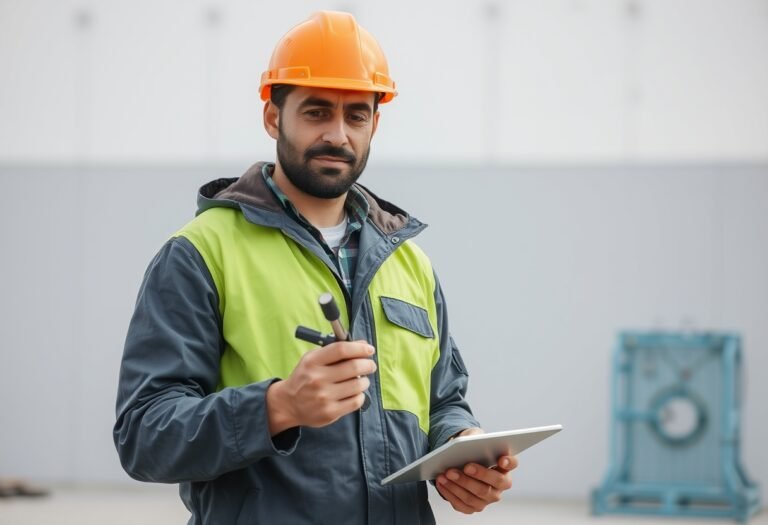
213,328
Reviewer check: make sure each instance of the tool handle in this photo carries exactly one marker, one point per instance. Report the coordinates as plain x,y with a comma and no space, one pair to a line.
331,312
329,307
313,336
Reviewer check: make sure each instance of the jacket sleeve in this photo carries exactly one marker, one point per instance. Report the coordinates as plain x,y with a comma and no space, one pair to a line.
172,423
449,411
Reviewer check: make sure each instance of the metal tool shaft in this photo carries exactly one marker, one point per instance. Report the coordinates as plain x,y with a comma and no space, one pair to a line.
332,314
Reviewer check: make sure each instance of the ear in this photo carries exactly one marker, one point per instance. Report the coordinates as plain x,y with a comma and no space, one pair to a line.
271,119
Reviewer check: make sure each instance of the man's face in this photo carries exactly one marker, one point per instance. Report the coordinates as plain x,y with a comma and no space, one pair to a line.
324,137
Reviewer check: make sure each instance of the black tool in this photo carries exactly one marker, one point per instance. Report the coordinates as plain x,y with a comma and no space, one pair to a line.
332,314
313,336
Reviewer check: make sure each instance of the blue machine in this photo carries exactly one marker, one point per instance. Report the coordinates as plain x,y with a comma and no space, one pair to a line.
675,442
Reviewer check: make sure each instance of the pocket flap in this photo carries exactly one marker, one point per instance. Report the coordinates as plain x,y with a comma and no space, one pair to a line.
408,316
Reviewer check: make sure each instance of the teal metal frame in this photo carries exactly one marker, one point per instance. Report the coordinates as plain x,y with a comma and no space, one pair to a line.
724,491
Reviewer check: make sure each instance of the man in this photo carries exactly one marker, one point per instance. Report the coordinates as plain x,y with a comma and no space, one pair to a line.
215,391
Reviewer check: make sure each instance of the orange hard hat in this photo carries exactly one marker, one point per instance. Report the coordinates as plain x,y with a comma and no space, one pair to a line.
329,50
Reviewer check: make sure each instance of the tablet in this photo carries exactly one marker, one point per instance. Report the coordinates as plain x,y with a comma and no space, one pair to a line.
484,449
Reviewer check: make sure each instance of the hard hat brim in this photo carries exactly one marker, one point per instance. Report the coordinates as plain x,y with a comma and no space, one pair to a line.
387,92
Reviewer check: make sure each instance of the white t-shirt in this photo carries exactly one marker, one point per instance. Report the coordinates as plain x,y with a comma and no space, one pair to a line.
334,234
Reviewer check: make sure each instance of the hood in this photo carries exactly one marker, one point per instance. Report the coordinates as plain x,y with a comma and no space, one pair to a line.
251,193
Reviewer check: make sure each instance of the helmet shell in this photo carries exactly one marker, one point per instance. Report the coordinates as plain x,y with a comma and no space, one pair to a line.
329,50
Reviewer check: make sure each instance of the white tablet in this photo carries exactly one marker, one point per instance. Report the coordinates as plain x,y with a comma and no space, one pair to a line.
484,449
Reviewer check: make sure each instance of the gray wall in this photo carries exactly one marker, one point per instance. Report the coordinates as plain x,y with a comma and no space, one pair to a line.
615,152
541,266
514,81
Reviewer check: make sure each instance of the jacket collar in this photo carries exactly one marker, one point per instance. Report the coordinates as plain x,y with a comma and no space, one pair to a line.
251,195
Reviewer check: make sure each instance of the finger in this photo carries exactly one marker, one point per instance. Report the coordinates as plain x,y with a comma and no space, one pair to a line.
451,498
334,410
487,492
490,477
341,351
350,368
458,489
506,464
349,388
351,404
331,412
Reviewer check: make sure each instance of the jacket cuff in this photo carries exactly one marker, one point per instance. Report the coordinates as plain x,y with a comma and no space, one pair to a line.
251,424
449,429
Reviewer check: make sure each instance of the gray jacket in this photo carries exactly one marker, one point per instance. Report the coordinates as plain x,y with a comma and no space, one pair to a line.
176,424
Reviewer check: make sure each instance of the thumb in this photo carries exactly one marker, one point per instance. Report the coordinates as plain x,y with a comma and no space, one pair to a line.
506,464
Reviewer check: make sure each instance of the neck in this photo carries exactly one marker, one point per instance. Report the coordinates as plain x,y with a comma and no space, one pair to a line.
321,213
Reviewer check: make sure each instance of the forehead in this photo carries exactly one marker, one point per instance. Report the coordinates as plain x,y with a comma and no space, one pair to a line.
334,96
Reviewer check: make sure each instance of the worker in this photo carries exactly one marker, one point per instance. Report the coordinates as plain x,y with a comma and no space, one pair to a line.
215,392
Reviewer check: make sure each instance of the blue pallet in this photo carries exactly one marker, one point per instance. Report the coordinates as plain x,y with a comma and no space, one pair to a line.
675,442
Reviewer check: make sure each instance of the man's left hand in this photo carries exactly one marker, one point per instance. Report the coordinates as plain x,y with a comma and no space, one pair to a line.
474,487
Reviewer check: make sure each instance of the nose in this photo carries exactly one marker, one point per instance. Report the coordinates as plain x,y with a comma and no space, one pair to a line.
335,132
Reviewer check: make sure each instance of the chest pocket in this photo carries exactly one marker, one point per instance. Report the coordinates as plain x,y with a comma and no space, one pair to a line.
408,316
407,350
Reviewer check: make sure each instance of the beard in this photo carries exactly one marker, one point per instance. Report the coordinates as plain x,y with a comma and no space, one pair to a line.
323,183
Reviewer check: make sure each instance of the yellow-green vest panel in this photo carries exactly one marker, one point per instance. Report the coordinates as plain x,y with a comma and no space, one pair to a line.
268,285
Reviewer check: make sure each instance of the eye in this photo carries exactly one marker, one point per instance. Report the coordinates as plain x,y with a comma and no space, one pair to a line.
358,118
316,113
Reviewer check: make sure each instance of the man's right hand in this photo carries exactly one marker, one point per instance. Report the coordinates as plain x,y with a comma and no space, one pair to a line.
327,384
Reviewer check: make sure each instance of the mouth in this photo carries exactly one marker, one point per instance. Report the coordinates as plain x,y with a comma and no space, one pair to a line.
328,159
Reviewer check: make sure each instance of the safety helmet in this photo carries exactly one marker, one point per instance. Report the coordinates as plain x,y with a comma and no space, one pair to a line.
329,50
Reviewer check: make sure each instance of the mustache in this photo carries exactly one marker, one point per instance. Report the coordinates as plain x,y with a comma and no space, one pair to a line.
326,150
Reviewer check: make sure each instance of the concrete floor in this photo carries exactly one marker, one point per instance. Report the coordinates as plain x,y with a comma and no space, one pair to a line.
160,505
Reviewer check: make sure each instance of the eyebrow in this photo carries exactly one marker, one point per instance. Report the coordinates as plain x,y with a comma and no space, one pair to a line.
324,103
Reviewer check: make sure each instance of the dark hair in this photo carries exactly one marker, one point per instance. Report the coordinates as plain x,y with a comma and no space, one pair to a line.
280,92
